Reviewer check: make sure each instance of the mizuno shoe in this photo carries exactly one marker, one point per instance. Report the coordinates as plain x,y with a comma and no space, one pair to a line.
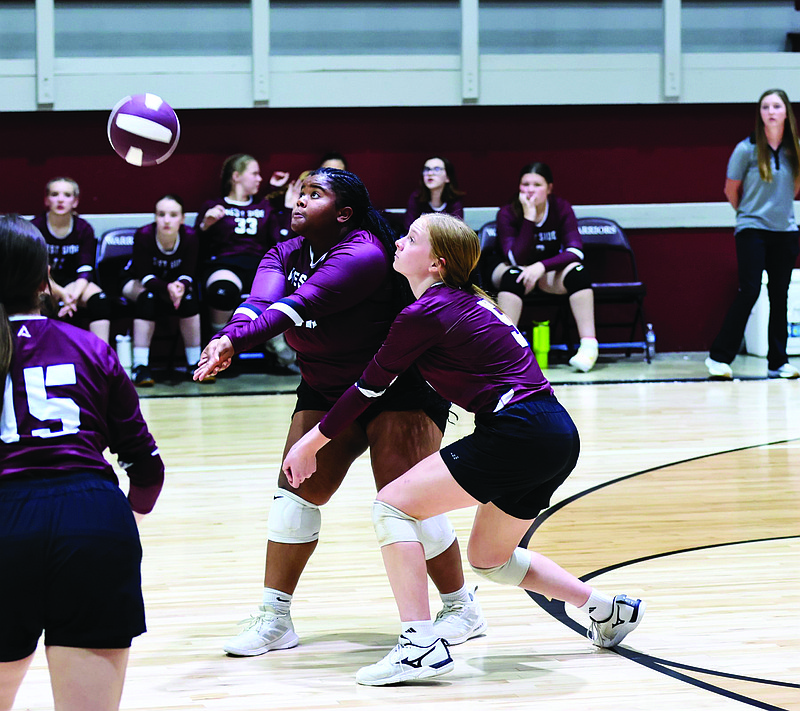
625,617
407,662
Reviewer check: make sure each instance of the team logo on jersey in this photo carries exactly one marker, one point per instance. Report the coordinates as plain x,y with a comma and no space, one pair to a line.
24,332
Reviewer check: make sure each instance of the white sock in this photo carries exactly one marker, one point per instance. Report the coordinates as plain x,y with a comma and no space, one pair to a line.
599,606
141,356
589,342
192,355
419,632
462,595
277,600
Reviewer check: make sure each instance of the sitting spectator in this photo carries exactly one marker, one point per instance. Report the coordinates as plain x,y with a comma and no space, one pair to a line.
437,192
162,283
235,231
72,249
540,248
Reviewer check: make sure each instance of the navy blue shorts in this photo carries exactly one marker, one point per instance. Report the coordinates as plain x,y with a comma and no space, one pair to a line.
71,563
518,457
408,392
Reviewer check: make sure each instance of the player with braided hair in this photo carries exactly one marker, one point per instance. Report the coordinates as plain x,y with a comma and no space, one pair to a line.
523,448
333,292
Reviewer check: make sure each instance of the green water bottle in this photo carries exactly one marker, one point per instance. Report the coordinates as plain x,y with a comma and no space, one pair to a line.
541,342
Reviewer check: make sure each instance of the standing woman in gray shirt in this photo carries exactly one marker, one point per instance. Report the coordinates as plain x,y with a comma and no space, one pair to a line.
762,180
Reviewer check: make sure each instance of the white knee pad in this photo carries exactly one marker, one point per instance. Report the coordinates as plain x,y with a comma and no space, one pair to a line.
292,519
436,535
512,572
393,526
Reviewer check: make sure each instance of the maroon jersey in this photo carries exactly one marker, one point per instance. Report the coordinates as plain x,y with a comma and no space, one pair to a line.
71,257
245,230
336,307
66,399
464,346
414,209
280,224
156,268
555,242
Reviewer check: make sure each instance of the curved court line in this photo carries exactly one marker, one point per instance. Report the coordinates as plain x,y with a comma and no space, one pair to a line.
557,609
542,517
622,564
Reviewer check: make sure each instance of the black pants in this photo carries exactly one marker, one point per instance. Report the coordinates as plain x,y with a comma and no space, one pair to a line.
757,250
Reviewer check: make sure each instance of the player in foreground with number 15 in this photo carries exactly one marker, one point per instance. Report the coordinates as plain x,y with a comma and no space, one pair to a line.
69,543
523,447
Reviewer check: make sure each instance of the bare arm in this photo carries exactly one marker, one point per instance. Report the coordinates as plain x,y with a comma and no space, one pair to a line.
733,191
301,460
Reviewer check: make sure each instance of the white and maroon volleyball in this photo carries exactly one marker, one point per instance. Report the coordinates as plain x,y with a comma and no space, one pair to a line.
143,129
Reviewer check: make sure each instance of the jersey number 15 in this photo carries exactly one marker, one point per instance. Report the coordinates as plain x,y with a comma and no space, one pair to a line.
41,407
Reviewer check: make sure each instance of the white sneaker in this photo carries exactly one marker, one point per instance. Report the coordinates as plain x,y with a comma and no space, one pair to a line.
718,371
787,371
265,631
586,357
407,661
625,617
459,621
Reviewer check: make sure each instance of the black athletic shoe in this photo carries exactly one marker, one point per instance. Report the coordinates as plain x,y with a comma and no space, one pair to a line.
142,377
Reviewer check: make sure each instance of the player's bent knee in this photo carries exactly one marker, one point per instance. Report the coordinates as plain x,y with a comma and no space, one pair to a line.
436,535
98,307
146,307
512,572
189,305
223,295
394,526
509,283
292,519
577,279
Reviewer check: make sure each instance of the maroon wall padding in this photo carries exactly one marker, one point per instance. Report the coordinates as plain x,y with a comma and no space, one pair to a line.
599,155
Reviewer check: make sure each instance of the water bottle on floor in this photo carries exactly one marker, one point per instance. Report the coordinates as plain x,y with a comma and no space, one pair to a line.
650,339
540,337
125,352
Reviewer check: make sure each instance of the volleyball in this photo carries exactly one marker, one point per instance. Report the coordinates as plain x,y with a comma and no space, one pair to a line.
143,129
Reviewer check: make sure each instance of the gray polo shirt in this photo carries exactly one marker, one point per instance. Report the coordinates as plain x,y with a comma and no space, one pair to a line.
764,206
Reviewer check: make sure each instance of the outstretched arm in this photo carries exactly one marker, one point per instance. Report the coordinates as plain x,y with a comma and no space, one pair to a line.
216,356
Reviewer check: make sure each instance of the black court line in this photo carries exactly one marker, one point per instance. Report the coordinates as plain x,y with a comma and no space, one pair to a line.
645,381
557,609
221,393
145,394
542,517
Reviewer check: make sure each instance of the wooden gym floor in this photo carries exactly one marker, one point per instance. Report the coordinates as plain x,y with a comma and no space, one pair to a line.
687,494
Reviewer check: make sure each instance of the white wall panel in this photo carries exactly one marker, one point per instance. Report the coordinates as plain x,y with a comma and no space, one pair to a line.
18,85
738,77
571,79
399,52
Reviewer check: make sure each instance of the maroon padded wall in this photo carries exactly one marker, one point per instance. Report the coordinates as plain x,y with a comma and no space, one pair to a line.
599,155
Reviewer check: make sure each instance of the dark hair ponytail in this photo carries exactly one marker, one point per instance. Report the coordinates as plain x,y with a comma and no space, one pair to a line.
23,270
351,192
